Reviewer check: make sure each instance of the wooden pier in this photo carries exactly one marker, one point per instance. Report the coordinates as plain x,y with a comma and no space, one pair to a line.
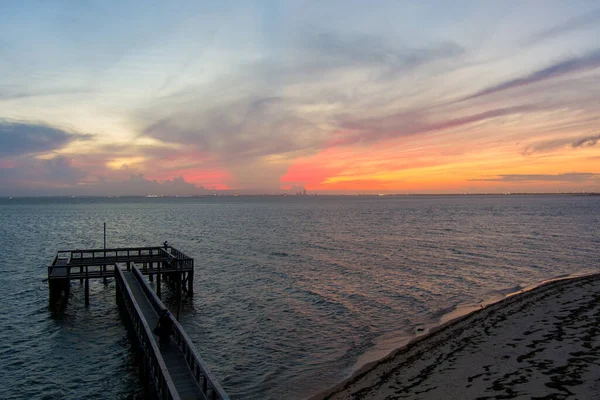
84,265
175,372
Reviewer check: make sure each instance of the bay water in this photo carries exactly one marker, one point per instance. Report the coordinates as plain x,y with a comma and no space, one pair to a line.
292,293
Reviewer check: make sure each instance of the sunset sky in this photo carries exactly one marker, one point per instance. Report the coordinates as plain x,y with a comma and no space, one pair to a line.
134,98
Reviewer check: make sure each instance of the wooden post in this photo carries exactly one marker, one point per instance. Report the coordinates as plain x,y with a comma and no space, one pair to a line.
52,288
117,289
191,283
158,283
178,294
81,273
87,291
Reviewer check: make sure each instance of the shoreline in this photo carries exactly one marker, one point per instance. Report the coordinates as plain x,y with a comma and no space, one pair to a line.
463,317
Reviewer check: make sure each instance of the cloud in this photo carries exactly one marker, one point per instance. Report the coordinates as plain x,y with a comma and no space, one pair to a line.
307,94
59,178
238,130
331,50
549,145
411,123
11,93
586,141
571,65
32,172
573,177
19,138
253,138
138,185
580,22
264,114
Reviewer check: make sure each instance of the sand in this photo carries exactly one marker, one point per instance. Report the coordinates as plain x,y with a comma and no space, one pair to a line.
543,343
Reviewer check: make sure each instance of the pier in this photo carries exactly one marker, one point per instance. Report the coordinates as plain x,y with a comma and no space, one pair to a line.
174,372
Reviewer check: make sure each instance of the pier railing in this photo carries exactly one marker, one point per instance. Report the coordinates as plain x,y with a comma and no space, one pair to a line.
95,263
207,381
111,253
177,259
157,370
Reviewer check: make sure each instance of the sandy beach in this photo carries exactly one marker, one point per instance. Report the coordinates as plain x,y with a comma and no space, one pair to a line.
543,344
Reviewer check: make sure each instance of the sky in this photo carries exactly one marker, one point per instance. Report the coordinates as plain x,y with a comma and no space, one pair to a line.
269,97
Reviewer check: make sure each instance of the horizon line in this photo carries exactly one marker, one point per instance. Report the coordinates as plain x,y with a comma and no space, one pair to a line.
302,195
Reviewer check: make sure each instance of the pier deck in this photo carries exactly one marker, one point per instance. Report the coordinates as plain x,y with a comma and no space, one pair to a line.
175,372
182,378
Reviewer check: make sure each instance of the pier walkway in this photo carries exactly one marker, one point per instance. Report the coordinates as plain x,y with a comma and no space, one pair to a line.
175,372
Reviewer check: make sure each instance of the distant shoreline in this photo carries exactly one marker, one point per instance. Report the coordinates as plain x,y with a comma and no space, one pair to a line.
368,380
220,195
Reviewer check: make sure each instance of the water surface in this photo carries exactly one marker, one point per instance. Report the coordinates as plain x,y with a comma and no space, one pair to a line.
290,292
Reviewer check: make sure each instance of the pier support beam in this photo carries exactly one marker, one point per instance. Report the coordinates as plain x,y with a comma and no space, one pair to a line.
178,284
190,279
59,289
158,284
87,292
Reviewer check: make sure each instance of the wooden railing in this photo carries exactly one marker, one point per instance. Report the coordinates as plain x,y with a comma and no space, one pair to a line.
207,381
158,372
178,258
121,252
113,253
83,271
178,254
93,263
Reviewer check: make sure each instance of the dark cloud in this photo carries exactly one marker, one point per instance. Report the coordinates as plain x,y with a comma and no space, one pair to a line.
573,177
405,124
18,138
572,65
586,141
580,22
549,145
30,171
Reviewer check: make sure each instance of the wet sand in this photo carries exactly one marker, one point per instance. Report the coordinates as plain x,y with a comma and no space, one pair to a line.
543,343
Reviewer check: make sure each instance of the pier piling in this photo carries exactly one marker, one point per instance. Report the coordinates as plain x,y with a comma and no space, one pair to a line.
158,284
87,291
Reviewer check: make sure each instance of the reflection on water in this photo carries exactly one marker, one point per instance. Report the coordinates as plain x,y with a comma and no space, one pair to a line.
289,292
